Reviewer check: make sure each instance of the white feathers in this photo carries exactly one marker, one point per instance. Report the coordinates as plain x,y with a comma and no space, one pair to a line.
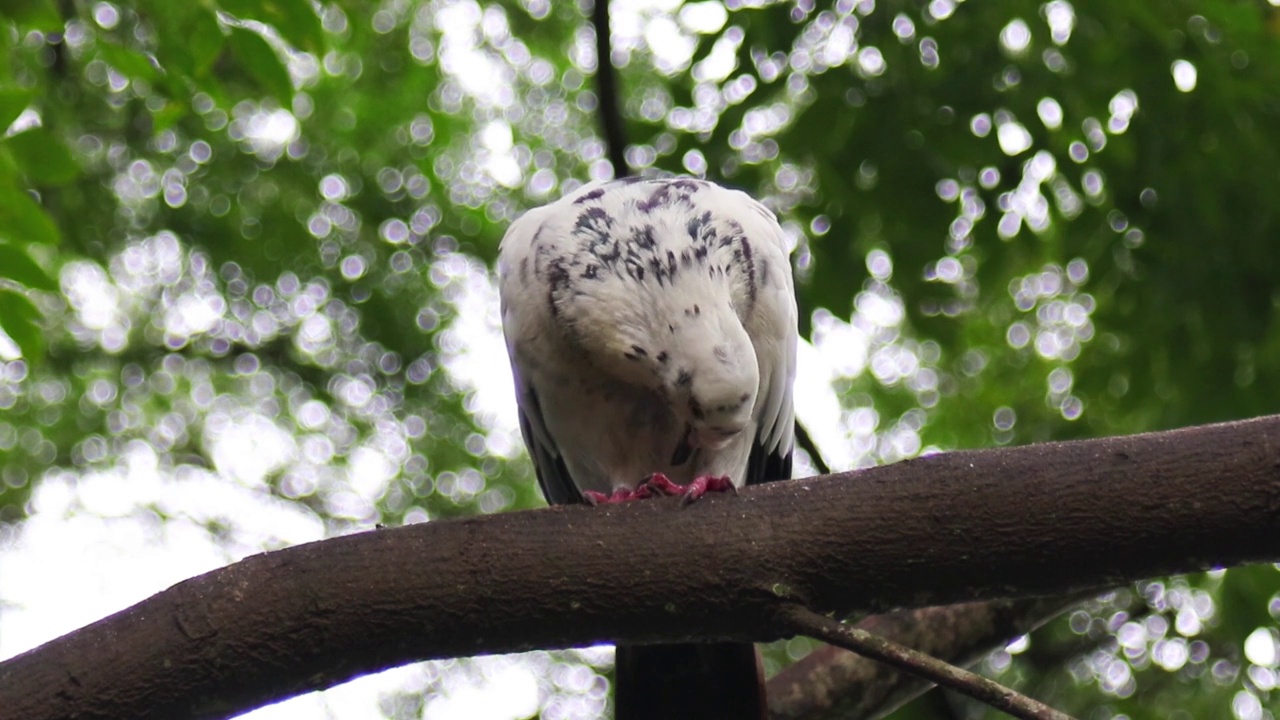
652,328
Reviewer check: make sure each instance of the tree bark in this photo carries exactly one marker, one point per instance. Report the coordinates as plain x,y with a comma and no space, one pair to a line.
1035,520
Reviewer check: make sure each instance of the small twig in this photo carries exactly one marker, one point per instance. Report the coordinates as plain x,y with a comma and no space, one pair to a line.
615,136
806,444
804,621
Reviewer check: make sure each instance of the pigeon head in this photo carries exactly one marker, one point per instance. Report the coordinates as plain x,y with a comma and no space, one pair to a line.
687,344
691,347
712,378
673,322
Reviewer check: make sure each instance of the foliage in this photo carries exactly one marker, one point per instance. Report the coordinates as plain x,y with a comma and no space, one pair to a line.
249,239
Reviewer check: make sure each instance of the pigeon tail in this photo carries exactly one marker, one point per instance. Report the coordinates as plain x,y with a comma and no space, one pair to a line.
689,681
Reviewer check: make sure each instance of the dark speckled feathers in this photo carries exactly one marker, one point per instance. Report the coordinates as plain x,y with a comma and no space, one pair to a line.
615,233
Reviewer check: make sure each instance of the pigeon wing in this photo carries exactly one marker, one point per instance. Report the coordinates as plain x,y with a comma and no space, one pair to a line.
549,465
772,328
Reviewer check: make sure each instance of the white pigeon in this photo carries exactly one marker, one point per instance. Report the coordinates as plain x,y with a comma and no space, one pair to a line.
652,331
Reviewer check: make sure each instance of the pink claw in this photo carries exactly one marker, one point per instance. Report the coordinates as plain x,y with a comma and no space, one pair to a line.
704,484
656,485
620,495
659,485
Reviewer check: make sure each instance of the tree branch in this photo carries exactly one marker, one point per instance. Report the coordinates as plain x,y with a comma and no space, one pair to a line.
805,441
832,683
1035,520
611,122
807,622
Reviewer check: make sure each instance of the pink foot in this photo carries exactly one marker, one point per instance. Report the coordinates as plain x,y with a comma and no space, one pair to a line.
620,495
704,484
659,485
656,485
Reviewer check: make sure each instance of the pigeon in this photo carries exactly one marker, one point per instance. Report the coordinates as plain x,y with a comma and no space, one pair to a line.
651,326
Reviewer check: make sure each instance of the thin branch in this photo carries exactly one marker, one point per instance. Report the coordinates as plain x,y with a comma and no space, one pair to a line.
804,621
831,682
806,443
610,105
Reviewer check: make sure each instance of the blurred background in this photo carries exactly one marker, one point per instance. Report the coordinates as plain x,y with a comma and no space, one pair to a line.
246,297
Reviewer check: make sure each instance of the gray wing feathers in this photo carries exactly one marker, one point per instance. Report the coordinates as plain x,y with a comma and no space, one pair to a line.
773,332
553,476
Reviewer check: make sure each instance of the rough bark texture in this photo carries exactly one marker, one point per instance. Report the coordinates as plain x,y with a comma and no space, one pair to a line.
1036,520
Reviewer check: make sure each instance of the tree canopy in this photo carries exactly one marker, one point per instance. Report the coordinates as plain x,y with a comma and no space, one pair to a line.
245,257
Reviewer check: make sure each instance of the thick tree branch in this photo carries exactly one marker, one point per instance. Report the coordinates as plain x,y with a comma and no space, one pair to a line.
610,107
1036,520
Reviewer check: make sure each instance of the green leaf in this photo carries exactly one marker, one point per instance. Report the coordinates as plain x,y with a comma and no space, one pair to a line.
130,62
165,117
189,38
205,42
23,219
20,320
37,14
18,266
295,20
258,58
12,102
44,159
